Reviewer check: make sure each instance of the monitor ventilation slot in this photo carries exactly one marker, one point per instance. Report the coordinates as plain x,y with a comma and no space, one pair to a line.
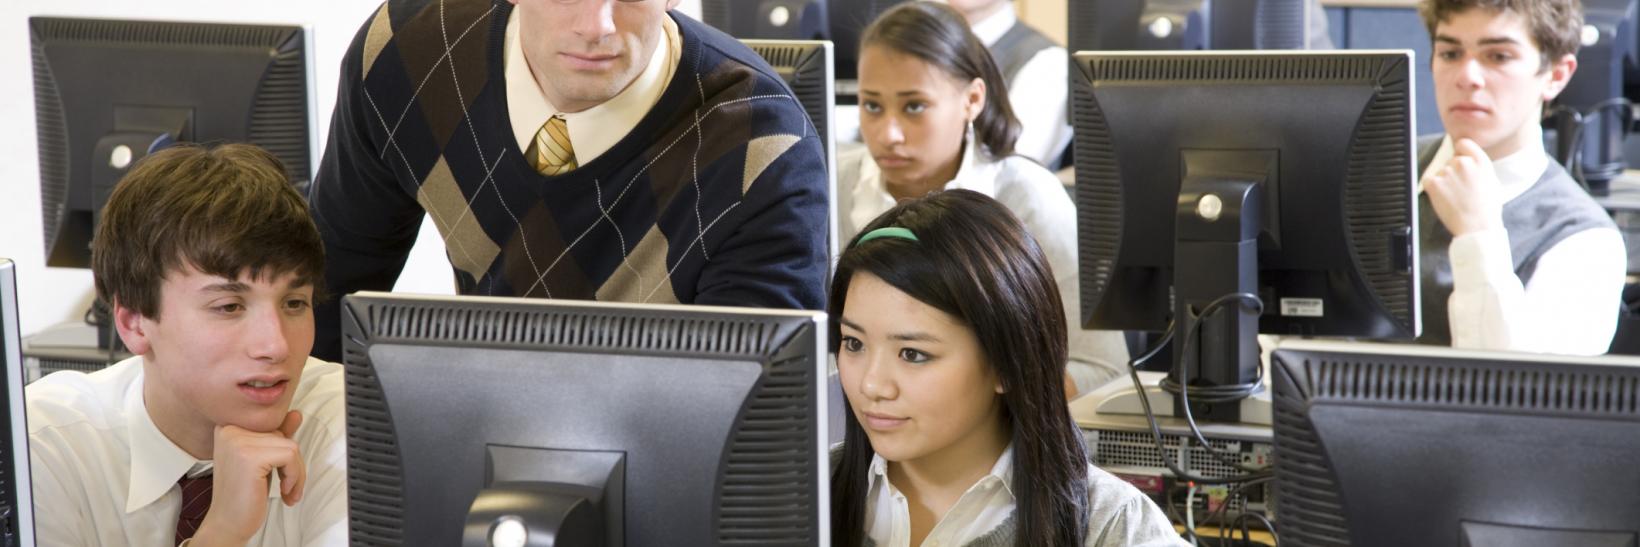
149,32
279,113
1371,214
780,55
52,127
612,332
1529,389
764,495
1251,69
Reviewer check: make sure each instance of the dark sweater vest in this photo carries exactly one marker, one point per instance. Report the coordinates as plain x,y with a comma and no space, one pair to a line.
1554,208
1016,47
718,196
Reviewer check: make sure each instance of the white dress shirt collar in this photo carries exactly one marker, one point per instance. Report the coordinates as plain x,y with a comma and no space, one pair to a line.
1002,470
871,197
992,28
157,462
595,130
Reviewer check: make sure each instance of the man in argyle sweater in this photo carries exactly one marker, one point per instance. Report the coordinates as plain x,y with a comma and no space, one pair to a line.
588,149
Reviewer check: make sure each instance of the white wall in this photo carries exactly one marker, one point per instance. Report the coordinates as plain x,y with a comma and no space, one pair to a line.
54,295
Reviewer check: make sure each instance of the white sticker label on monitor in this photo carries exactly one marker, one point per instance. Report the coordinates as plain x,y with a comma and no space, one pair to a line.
1301,307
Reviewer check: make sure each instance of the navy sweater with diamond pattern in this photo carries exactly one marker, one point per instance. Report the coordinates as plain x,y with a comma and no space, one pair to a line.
718,196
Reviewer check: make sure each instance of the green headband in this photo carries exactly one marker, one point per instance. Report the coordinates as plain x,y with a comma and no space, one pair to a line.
889,231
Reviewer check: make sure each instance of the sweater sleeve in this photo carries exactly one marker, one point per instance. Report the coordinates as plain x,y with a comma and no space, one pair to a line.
775,256
366,218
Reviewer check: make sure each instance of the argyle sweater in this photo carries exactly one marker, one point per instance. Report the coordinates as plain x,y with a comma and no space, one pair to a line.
718,196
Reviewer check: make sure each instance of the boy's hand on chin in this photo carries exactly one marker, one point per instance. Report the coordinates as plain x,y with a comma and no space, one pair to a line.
245,461
1465,192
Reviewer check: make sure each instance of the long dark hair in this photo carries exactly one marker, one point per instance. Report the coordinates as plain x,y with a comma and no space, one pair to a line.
975,261
936,34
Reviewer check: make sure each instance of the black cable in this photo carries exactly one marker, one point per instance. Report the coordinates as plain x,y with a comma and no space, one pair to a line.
1242,390
1217,515
1156,431
1246,534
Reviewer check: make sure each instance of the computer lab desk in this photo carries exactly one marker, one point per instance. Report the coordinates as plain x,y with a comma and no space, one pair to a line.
1625,193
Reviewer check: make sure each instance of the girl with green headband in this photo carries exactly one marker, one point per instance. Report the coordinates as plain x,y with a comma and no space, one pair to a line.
950,350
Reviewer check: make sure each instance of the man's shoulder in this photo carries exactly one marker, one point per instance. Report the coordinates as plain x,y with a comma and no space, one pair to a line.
96,399
457,15
728,70
433,29
322,387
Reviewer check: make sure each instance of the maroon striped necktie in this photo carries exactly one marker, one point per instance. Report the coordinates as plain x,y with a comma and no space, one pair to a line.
196,500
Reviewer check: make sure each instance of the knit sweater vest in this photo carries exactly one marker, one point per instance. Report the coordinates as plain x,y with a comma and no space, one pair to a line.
1016,47
1554,208
718,196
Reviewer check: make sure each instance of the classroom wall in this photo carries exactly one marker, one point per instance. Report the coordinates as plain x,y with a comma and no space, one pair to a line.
53,295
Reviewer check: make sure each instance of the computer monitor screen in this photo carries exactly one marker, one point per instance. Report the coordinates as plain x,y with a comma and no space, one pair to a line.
1419,445
108,91
16,501
1114,25
1284,175
840,21
603,424
806,65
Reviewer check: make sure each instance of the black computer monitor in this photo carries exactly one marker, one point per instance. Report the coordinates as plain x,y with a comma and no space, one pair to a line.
108,91
1594,149
1419,445
840,21
806,65
16,499
1113,25
599,423
1286,175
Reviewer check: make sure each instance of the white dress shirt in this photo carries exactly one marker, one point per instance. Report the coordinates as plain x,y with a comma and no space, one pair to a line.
105,475
595,130
1119,515
1037,93
1569,306
1031,193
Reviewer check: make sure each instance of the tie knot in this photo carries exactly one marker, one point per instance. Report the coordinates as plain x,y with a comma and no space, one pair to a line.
551,151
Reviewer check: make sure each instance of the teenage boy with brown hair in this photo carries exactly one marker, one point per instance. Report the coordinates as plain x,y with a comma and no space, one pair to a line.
1516,255
221,430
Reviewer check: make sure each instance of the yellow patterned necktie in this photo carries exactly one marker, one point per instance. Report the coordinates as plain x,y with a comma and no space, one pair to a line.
550,152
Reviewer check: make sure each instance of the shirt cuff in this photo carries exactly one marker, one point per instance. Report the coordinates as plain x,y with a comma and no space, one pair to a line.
1480,256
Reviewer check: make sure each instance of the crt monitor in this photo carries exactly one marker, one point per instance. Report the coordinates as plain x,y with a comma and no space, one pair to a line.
1409,445
1282,175
106,92
806,66
1188,24
16,501
597,424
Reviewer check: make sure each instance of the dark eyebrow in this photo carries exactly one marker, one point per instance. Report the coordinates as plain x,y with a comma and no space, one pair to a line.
226,286
906,336
1488,41
1499,40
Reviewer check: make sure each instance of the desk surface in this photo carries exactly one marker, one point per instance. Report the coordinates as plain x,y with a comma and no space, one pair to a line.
1625,193
1207,532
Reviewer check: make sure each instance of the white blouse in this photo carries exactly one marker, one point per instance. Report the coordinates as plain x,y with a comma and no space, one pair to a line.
1030,192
